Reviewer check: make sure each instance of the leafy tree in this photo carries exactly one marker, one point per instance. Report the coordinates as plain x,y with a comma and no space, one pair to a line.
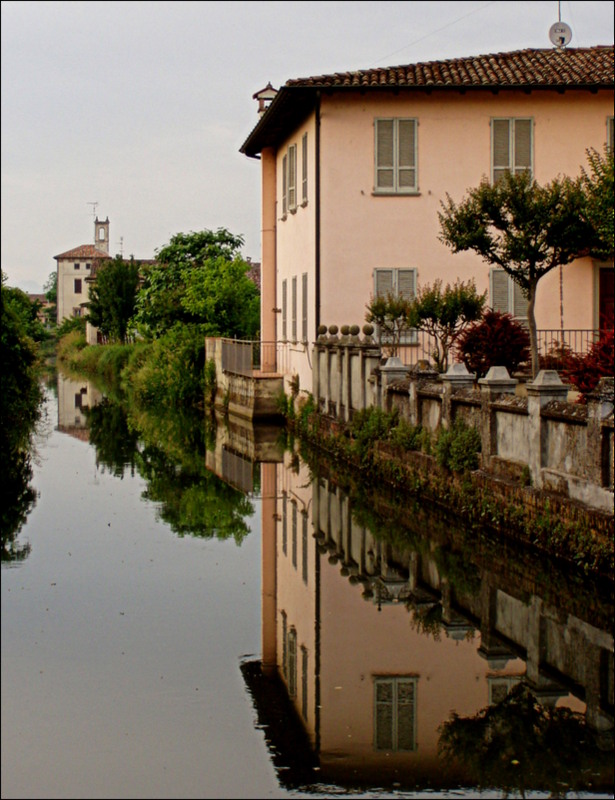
25,310
51,293
445,314
597,184
524,228
169,294
113,297
389,313
496,340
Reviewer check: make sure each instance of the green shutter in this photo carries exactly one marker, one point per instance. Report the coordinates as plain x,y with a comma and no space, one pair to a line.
384,154
523,144
500,147
499,291
406,283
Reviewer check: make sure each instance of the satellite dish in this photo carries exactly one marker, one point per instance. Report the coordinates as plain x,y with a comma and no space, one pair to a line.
560,34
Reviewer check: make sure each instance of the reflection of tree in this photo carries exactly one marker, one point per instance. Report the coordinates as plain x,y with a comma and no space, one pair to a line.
167,447
18,499
115,442
519,744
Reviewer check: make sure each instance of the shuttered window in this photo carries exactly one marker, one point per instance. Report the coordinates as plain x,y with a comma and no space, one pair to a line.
506,295
294,535
511,146
284,310
284,185
304,169
395,151
293,310
292,663
304,682
304,546
610,138
401,282
395,713
304,307
292,178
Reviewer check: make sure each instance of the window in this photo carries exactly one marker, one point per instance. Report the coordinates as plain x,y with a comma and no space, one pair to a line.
304,307
284,644
284,310
304,682
395,713
304,548
511,146
284,186
506,295
294,535
396,144
77,285
284,523
101,234
609,134
292,178
293,310
76,266
400,282
292,662
304,170
88,266
500,687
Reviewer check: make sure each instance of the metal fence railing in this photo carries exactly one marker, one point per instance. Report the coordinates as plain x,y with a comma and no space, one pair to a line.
247,356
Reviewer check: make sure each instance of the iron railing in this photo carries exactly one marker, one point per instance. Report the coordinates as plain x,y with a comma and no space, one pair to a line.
247,356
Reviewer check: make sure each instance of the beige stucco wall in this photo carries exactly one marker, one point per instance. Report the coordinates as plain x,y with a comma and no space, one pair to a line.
68,300
360,231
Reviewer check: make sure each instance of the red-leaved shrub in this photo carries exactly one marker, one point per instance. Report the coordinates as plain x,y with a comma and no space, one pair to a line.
584,372
497,340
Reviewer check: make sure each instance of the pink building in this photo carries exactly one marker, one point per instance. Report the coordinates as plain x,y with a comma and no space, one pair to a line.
355,166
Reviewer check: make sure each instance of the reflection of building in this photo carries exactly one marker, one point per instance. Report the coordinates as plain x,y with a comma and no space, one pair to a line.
375,645
73,397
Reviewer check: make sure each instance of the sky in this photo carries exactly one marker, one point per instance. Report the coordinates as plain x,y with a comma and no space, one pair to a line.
136,111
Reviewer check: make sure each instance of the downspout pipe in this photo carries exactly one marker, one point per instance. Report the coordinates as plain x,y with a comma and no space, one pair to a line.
317,218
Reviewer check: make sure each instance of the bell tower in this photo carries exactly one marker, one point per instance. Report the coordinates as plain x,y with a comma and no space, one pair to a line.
101,234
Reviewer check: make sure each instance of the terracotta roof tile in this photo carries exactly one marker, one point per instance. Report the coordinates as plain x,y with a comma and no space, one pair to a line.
584,66
84,251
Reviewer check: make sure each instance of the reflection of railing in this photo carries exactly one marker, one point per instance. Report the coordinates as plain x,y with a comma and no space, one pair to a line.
246,356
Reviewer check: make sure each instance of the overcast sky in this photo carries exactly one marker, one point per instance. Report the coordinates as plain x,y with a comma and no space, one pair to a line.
141,107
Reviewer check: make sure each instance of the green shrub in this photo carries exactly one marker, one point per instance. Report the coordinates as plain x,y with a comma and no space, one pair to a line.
406,436
457,448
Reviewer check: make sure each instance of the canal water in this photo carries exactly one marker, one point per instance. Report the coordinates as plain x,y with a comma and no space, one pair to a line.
192,610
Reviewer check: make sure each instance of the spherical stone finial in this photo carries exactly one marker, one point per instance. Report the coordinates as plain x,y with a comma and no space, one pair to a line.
345,330
322,329
354,330
368,329
333,329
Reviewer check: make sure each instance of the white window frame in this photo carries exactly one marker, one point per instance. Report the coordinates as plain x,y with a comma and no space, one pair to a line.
395,682
304,170
512,166
402,162
516,303
397,273
284,185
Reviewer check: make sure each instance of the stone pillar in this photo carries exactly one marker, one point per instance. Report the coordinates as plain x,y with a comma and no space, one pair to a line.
421,372
546,387
269,569
599,406
394,370
495,383
456,377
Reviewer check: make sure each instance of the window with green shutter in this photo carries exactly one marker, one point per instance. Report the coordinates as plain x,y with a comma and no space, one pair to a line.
284,310
401,282
396,156
395,713
292,178
511,146
506,295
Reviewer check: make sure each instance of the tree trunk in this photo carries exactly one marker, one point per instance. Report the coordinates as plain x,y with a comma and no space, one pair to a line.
531,321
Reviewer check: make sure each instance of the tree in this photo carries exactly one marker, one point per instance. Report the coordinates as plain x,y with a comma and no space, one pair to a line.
445,314
390,314
113,297
171,285
598,187
51,293
522,227
496,340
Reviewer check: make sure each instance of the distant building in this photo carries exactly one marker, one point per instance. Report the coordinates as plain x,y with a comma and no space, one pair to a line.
75,266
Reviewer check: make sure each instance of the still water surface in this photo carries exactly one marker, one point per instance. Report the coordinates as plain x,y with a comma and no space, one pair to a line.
134,631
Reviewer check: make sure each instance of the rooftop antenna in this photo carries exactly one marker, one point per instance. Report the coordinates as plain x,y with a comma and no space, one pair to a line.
93,204
560,33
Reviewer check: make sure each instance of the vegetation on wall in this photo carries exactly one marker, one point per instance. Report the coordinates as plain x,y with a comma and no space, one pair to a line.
496,340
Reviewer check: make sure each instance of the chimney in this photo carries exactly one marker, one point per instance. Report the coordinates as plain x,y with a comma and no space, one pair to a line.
264,97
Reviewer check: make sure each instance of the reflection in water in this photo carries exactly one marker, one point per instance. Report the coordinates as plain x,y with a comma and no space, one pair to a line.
416,656
165,447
